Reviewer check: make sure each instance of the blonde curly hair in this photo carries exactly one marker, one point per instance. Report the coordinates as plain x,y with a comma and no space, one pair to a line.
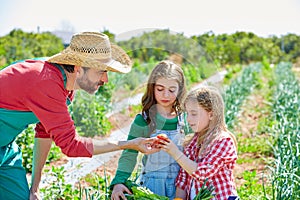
210,99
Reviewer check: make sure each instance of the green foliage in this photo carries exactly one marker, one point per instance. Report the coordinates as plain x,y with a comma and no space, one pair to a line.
131,80
88,111
26,142
141,193
232,72
193,74
95,187
255,144
136,109
241,47
205,192
58,189
159,44
19,45
238,91
251,189
109,34
286,105
289,45
197,73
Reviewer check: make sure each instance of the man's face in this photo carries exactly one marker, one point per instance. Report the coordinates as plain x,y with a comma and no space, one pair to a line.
91,79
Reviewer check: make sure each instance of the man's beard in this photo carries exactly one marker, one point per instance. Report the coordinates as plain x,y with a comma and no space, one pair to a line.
88,85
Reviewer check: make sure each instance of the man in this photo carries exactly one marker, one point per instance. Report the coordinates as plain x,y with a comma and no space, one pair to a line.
35,91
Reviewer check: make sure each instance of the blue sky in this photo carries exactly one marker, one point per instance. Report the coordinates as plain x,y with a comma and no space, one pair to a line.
190,17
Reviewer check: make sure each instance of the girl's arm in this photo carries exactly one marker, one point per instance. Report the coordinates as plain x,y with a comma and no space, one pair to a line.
188,165
221,151
128,159
180,193
168,146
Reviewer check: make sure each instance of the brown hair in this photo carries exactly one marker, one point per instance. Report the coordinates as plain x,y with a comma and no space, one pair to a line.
210,100
68,68
164,69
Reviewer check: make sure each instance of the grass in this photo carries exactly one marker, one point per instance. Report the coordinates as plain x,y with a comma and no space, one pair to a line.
257,144
252,189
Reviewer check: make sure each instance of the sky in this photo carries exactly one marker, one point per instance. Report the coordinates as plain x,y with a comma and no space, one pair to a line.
123,18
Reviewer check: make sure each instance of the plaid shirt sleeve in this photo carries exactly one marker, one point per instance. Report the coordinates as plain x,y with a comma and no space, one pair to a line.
221,152
216,166
182,179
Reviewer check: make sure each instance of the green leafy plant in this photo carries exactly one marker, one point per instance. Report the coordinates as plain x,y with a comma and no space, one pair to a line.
286,105
26,142
205,192
88,111
141,193
58,189
239,90
251,189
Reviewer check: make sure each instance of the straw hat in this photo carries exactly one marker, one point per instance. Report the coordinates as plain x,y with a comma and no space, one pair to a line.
93,49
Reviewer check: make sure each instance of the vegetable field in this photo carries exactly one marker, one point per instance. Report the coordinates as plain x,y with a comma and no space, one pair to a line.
261,90
262,104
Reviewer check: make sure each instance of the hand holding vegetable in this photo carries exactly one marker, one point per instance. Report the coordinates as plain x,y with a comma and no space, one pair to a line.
167,145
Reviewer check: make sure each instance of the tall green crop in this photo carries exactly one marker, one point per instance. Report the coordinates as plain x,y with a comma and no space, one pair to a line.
286,130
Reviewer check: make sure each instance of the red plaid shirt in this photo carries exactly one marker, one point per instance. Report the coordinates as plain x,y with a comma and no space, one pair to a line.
217,166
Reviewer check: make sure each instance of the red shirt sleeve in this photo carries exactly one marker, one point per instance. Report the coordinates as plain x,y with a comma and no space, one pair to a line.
40,131
47,99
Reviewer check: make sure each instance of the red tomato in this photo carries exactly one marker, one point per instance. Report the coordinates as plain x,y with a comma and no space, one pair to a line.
163,136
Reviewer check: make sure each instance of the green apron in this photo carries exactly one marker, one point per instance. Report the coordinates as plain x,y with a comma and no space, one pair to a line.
13,182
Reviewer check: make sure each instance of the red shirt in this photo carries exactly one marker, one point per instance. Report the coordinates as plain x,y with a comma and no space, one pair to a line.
217,166
38,87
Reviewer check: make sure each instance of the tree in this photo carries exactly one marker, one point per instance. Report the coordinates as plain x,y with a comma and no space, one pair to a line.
19,45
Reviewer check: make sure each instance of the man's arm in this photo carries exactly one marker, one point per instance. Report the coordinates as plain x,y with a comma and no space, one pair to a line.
40,153
140,144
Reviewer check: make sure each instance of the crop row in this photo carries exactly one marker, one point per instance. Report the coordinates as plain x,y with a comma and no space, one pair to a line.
286,130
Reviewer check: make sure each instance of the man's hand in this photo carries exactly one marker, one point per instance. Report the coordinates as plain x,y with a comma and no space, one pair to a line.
34,195
144,145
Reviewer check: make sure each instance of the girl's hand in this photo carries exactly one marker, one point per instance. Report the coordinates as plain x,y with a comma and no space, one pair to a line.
118,192
157,140
167,145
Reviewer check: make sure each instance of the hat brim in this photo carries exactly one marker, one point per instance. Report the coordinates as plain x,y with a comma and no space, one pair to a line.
119,62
